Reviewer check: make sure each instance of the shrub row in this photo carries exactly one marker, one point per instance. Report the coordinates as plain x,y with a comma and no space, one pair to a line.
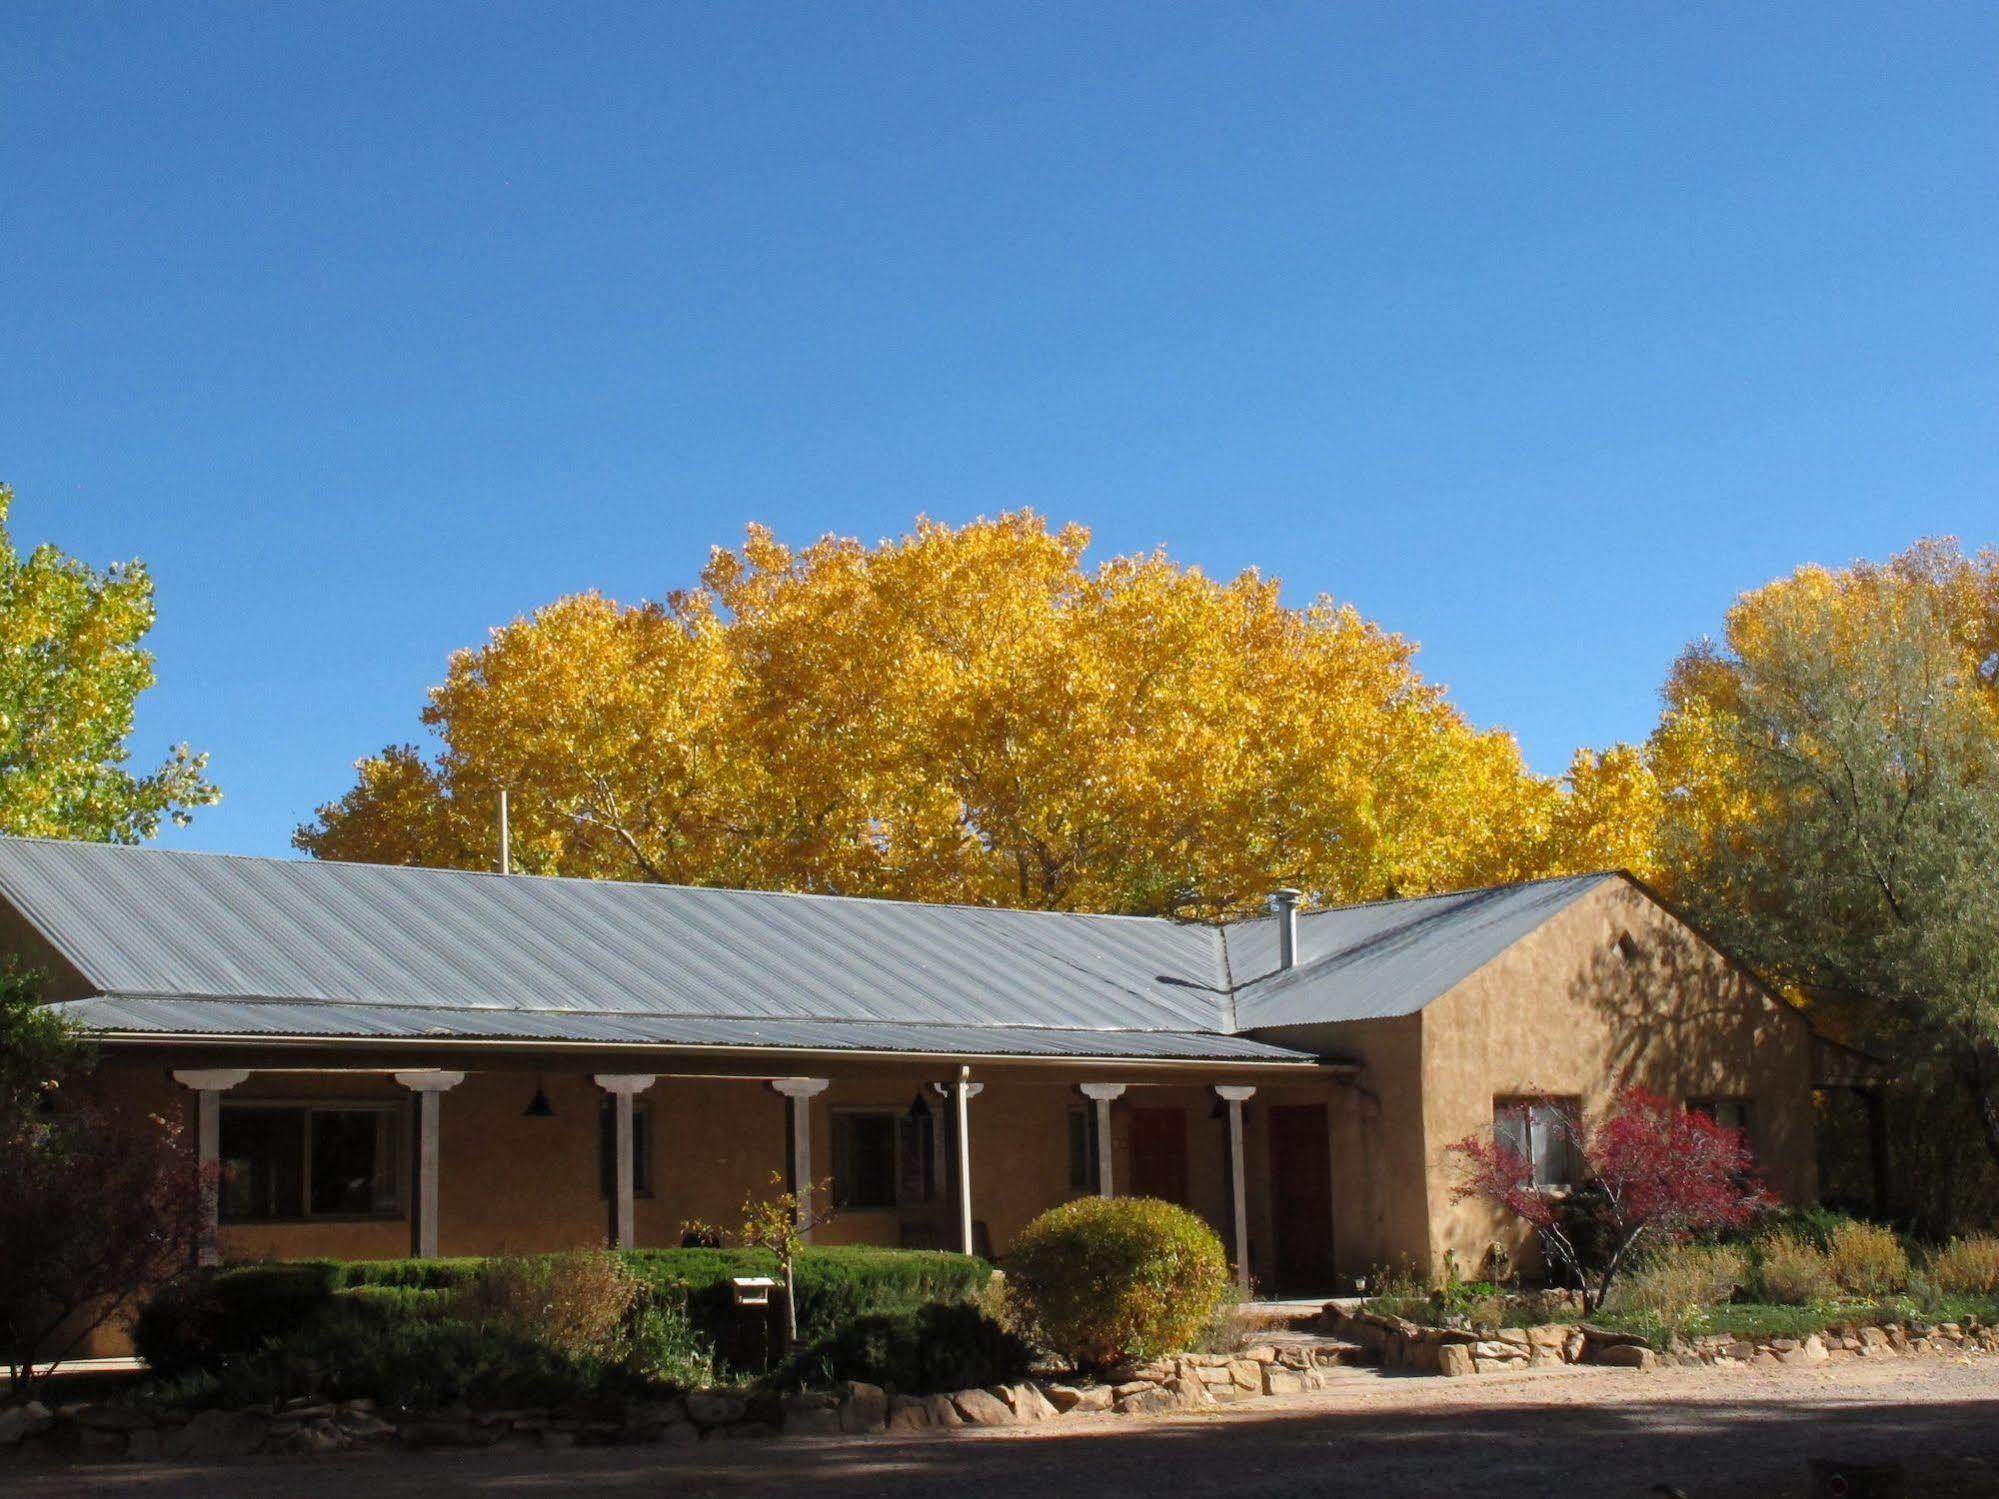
335,1326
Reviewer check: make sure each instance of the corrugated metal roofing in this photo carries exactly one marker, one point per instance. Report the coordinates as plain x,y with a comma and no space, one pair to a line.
187,943
235,1017
1390,958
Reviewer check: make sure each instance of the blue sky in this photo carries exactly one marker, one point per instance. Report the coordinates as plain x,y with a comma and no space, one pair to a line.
1539,332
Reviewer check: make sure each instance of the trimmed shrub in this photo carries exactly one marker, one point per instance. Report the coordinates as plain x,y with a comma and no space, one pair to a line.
413,1362
1792,1272
673,1306
1099,1280
1868,1260
198,1320
836,1286
1967,1267
935,1349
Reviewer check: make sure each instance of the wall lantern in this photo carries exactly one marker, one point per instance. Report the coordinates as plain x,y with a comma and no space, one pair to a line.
538,1107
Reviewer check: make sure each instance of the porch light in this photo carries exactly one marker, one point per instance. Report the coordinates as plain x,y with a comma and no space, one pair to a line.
920,1108
538,1107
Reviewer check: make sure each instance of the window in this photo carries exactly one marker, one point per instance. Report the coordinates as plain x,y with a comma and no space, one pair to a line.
1538,1130
282,1161
1733,1112
883,1159
1082,1148
607,1148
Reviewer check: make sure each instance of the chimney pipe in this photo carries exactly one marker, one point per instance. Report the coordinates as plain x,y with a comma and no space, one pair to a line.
1284,906
506,850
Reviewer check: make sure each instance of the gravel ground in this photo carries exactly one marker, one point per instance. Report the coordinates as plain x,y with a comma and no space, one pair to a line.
1576,1434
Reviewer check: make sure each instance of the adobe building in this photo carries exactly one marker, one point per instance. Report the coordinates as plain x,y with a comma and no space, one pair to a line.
387,1061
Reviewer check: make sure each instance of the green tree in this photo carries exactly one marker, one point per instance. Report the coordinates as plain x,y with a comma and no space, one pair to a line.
1859,862
71,668
38,1050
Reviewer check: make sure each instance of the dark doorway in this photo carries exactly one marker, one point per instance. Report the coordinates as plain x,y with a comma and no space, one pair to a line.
1159,1154
1301,1197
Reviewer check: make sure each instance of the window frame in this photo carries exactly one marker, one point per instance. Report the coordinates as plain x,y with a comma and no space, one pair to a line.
393,1159
1539,1111
904,1153
1711,1104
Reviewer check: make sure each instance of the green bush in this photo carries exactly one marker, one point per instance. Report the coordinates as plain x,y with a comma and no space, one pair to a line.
1813,1225
414,1362
212,1319
934,1349
198,1320
1098,1280
1793,1272
1867,1260
1966,1267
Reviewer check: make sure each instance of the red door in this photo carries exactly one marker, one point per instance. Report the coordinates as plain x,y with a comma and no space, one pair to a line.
1159,1154
1301,1197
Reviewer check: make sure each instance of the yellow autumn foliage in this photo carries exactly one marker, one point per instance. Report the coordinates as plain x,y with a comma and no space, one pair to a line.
973,714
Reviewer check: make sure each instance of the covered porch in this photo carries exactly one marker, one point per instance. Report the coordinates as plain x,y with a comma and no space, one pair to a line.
464,1150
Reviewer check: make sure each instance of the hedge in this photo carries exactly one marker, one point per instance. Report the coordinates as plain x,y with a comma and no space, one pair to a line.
204,1321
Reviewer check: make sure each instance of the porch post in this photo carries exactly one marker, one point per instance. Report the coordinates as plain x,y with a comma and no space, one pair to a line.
429,1087
961,1097
1101,1095
798,1095
1235,1095
209,1085
623,1087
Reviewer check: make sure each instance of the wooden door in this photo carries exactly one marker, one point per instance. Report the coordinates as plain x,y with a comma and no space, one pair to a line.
1159,1154
1301,1198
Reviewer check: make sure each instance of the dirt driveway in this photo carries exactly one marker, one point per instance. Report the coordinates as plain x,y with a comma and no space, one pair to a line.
1572,1433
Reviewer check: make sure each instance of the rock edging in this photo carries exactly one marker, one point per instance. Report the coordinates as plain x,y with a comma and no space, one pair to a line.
311,1427
1456,1352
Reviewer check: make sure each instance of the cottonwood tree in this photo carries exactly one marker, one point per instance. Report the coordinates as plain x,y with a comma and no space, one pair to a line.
1651,1173
1836,761
969,714
71,669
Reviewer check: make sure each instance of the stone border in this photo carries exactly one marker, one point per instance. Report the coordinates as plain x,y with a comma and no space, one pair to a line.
1455,1352
307,1427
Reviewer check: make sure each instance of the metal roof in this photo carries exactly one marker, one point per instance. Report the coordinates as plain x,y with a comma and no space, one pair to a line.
1390,958
212,944
130,1014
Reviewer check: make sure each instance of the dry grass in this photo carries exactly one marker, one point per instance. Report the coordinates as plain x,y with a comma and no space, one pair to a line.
1868,1260
1795,1273
576,1302
1967,1267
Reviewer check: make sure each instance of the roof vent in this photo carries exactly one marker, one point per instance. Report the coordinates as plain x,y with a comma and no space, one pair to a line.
1284,906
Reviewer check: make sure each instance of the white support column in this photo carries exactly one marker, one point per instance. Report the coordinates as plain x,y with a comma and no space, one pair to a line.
1236,1095
623,1088
1101,1094
209,1085
799,1093
429,1088
961,1098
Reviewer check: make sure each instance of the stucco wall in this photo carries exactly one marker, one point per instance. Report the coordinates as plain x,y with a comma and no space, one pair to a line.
1566,1013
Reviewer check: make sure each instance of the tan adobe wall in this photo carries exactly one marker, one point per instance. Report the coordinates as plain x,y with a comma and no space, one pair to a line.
1380,1217
1566,1013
